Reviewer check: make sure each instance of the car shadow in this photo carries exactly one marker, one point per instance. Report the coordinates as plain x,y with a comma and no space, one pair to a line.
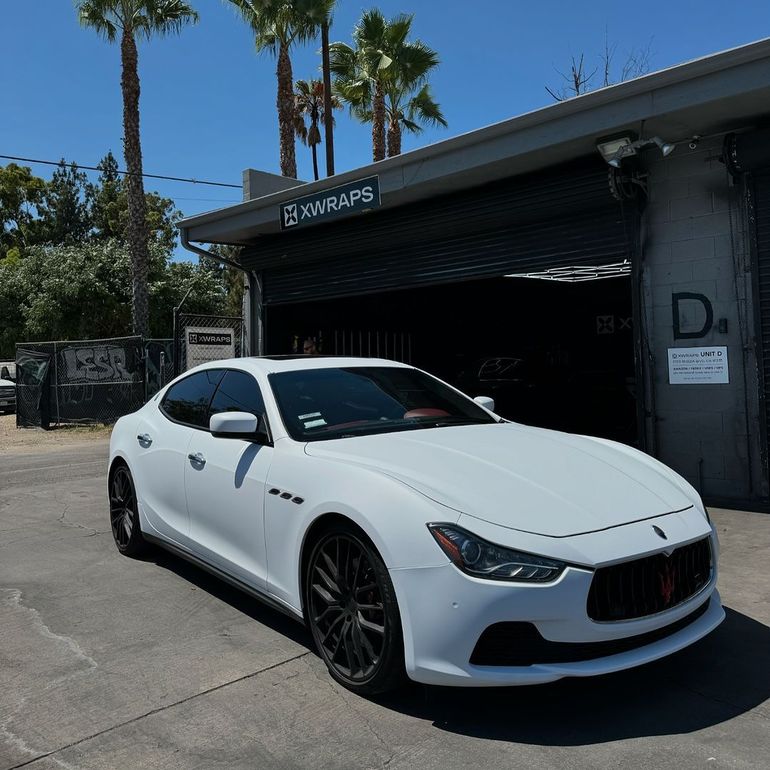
238,600
718,678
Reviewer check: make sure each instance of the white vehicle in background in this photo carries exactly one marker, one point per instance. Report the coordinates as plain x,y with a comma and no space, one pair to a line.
413,530
7,390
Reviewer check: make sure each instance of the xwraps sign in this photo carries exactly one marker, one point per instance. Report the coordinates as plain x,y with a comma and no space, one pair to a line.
346,199
209,344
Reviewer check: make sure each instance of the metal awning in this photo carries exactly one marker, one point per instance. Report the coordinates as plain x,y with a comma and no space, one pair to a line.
706,96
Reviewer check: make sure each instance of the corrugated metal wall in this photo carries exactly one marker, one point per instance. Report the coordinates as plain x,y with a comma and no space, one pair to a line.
560,217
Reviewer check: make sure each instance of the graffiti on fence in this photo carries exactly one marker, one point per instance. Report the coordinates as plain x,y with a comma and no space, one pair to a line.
105,363
80,382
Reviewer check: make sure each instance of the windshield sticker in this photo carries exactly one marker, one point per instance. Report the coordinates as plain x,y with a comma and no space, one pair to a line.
315,424
308,416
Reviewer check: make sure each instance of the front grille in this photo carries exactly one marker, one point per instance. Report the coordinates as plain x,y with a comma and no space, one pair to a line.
520,644
647,586
7,392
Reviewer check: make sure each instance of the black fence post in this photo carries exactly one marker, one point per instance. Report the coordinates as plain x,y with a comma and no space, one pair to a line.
175,348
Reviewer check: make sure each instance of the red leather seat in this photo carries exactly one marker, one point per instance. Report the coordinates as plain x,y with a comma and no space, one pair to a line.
426,411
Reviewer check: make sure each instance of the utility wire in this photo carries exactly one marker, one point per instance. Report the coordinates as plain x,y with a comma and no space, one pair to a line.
124,173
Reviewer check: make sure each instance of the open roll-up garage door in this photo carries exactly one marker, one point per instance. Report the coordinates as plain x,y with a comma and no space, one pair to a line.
528,223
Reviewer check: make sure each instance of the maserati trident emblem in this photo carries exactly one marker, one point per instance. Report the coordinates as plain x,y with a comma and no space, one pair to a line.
659,532
667,579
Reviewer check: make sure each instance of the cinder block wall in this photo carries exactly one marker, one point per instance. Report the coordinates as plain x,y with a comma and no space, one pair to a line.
694,239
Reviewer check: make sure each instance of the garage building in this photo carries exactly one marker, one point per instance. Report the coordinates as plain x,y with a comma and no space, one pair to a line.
601,265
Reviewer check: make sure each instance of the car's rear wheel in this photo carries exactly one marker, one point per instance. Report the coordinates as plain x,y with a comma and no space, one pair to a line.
353,613
124,513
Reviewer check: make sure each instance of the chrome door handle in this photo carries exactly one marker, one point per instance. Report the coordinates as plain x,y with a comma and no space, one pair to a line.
197,458
144,438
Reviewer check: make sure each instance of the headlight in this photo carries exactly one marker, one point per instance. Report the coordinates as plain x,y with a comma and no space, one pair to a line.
481,559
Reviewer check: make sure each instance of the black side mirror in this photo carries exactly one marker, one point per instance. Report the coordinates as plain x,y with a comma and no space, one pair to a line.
5,374
262,433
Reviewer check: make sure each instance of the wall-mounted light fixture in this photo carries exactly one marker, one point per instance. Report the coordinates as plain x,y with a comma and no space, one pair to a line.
665,147
618,147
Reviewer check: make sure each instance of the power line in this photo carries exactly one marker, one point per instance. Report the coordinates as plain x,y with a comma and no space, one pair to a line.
124,173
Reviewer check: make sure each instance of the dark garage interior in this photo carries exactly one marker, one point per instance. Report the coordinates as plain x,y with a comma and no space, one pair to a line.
552,353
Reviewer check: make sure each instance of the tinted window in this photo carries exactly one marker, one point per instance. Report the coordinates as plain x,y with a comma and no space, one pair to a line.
188,400
333,403
238,392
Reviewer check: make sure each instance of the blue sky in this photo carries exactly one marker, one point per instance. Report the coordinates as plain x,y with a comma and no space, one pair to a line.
208,101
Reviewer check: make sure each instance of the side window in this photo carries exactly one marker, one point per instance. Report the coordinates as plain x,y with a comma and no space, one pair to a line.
238,392
188,400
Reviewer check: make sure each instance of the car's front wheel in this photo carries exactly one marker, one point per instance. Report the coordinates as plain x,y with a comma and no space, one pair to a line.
353,613
124,513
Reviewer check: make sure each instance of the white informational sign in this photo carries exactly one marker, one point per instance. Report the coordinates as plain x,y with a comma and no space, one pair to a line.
698,366
208,344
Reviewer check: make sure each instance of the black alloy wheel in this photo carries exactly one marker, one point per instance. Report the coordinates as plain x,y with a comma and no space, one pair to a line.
353,613
124,515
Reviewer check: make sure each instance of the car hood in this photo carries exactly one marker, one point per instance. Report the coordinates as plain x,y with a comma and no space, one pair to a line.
7,384
529,479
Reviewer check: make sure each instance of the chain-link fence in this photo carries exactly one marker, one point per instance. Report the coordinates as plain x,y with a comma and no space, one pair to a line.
88,381
202,338
98,381
33,387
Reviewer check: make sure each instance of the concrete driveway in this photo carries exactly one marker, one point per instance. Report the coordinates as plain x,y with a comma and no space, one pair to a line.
106,662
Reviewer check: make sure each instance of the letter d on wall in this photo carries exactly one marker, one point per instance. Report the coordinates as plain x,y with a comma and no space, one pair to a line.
695,318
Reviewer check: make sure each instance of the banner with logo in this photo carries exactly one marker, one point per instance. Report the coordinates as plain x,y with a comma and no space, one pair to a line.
204,343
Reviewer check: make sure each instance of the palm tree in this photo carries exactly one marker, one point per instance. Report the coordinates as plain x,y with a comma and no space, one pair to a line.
133,20
277,25
383,78
360,70
310,102
327,81
409,113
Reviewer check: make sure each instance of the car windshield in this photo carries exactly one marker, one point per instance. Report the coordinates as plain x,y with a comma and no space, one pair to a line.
319,404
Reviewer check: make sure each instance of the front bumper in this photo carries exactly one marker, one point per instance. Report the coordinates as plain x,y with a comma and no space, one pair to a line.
444,612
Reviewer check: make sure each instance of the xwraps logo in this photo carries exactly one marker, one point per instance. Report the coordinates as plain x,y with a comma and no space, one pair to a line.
203,338
339,201
290,215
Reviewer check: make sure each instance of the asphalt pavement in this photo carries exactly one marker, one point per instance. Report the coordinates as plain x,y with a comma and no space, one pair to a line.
109,662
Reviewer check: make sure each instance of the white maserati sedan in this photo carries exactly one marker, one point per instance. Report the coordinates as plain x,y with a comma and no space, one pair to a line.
414,531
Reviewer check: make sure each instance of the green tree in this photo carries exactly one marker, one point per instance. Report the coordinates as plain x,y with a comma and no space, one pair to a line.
231,278
383,78
104,197
82,291
277,26
310,105
132,20
109,209
20,195
64,210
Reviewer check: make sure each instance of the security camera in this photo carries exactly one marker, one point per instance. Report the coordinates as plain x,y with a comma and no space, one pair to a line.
694,142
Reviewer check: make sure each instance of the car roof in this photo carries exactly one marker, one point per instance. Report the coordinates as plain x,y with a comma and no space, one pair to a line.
292,363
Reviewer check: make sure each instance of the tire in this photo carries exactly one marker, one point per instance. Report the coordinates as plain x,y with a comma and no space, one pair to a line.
352,612
124,514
